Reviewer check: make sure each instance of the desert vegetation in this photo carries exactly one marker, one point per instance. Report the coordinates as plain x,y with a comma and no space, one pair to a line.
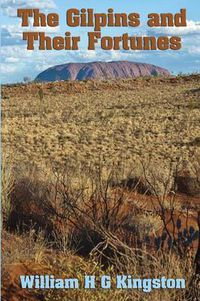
102,177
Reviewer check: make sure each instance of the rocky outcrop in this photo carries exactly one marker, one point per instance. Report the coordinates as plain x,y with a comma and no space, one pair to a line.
100,70
188,185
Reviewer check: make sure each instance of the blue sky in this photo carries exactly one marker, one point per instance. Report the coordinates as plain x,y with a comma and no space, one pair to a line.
17,62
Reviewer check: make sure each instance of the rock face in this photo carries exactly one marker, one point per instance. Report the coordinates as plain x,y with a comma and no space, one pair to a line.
188,185
100,70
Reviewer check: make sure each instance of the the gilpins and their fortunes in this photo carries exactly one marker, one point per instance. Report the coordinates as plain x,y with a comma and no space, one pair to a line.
87,18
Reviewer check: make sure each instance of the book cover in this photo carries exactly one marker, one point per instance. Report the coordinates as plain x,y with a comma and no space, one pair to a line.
100,150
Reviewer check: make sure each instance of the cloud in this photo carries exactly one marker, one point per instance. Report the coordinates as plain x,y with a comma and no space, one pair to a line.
12,34
191,44
190,36
9,7
7,68
194,50
11,60
15,52
192,28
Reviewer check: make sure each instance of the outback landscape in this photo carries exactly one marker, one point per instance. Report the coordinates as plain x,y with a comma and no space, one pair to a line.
102,176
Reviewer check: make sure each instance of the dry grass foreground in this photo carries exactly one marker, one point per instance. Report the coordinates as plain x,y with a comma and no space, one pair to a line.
120,121
101,177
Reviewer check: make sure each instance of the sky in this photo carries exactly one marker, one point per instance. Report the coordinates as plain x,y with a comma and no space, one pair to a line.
17,62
